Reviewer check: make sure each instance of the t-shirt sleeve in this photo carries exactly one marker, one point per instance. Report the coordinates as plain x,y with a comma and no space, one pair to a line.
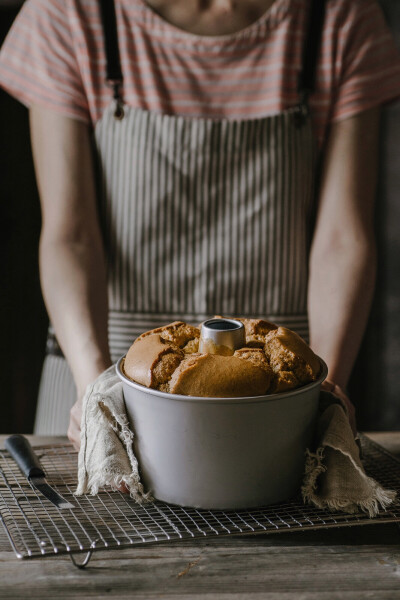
369,71
38,63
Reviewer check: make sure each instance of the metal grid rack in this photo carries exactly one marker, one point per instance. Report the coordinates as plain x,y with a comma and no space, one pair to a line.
112,520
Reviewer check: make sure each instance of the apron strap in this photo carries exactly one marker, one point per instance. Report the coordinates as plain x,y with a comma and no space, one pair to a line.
306,80
312,43
114,76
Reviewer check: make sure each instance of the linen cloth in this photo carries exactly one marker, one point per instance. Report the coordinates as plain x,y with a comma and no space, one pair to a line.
334,476
106,456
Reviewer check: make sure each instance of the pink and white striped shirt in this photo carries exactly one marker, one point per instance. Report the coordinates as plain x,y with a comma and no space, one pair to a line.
54,57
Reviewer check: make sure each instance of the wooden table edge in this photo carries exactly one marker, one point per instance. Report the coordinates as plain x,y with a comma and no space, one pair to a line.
390,440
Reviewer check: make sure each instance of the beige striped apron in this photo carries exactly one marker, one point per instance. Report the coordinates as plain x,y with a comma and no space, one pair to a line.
200,217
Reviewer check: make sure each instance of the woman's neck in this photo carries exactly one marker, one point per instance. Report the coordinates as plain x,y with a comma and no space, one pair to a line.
210,17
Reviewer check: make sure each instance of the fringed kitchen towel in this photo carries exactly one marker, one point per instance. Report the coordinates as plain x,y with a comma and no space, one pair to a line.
334,476
106,457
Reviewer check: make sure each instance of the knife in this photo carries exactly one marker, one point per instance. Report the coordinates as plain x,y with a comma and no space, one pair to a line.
23,454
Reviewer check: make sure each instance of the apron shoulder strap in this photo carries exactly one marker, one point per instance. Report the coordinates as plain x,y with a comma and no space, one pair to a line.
114,76
306,81
312,43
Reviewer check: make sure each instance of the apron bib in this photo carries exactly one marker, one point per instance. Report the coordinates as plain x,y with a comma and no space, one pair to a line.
204,217
199,217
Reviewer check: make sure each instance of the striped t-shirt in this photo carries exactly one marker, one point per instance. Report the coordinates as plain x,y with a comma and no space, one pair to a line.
54,57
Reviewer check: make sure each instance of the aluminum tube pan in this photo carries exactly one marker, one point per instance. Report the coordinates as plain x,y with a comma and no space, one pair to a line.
222,453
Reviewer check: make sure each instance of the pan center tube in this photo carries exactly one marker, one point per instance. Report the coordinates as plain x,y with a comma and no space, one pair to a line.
221,336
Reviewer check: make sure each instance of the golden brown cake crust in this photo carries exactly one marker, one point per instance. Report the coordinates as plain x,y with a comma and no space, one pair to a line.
151,360
258,358
212,375
256,330
288,353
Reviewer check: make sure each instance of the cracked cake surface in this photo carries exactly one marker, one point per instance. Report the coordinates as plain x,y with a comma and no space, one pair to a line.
274,359
179,333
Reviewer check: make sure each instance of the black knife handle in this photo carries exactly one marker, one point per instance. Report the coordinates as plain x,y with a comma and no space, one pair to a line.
22,452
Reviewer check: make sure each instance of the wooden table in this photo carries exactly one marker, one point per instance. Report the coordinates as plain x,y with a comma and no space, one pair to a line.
349,563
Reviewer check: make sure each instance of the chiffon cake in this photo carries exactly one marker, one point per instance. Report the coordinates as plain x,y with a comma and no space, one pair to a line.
274,359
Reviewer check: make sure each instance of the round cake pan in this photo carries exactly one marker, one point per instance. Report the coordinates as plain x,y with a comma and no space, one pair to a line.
221,453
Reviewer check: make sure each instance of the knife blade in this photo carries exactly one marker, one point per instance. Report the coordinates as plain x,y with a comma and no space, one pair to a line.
23,454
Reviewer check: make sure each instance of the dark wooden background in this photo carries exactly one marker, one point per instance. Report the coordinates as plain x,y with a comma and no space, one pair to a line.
375,384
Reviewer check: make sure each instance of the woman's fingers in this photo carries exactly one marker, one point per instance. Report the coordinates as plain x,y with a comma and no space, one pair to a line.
123,488
351,411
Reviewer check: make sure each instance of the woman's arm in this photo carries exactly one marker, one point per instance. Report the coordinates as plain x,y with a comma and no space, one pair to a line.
71,256
343,260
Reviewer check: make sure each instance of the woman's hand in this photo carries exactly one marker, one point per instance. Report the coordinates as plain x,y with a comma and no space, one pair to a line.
74,429
335,390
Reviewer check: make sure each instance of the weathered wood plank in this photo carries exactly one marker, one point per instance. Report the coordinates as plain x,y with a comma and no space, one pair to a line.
388,439
233,568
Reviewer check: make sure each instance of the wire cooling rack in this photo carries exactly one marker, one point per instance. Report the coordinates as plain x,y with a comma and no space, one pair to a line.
112,520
